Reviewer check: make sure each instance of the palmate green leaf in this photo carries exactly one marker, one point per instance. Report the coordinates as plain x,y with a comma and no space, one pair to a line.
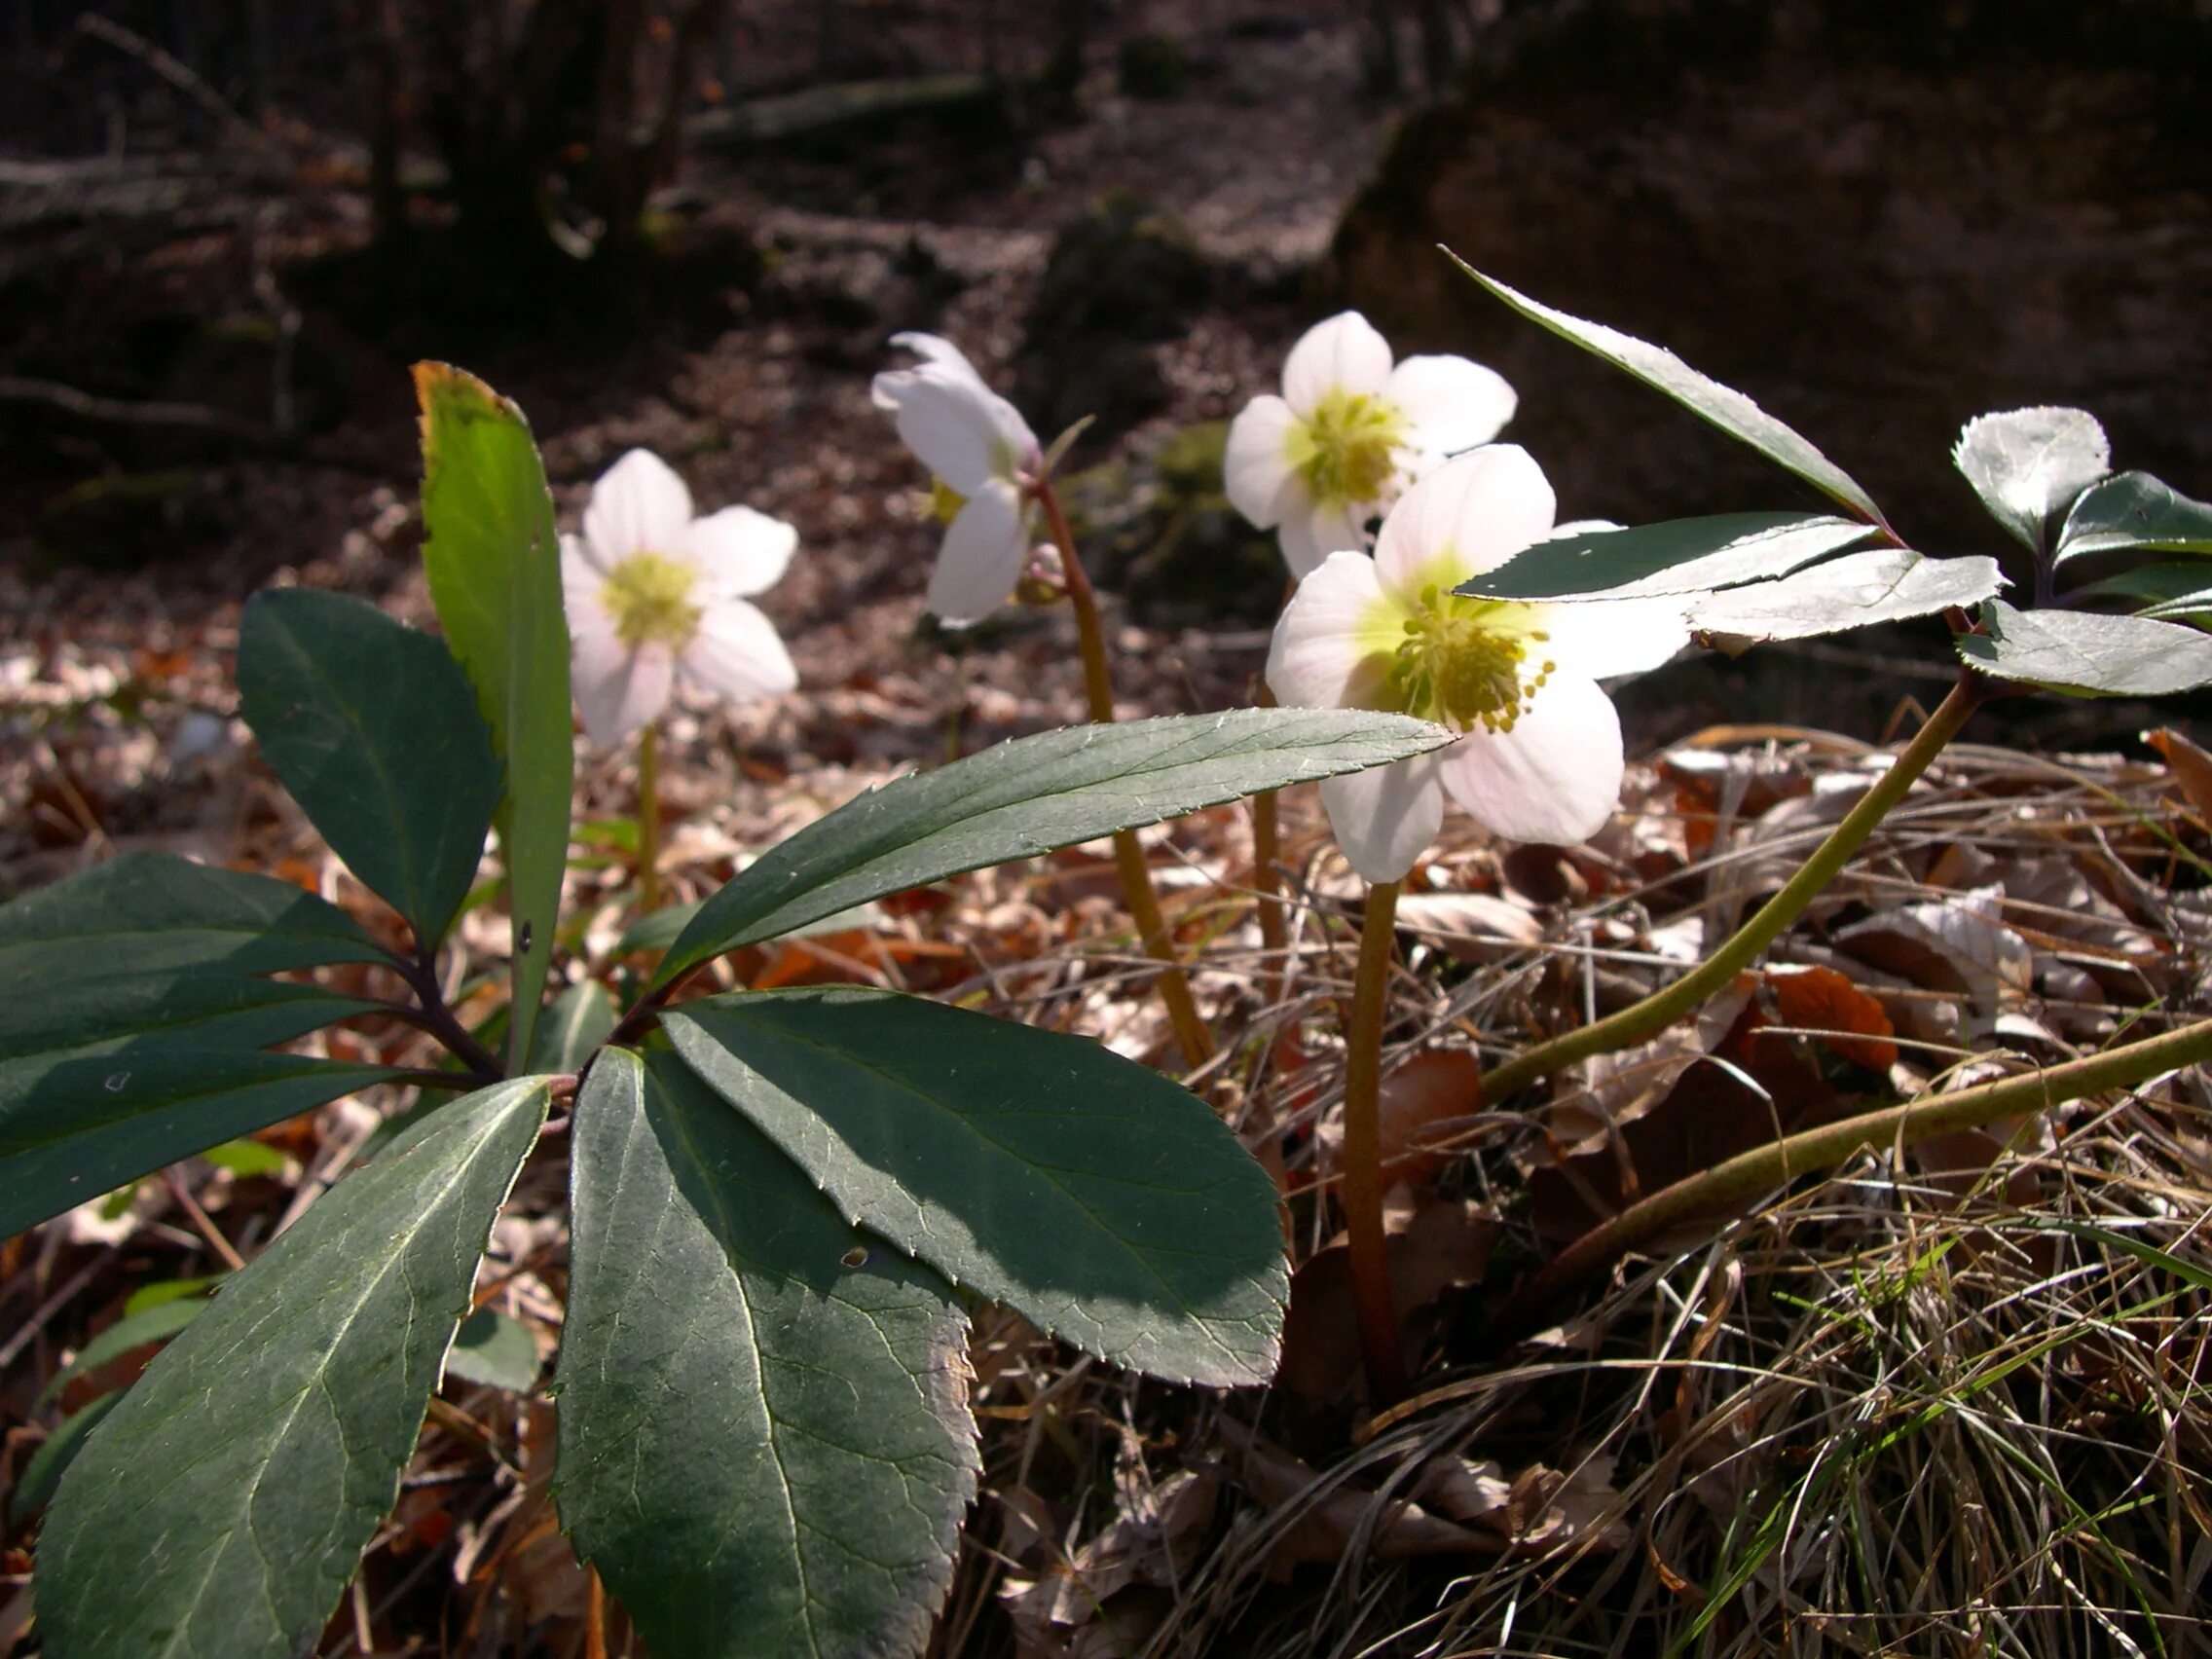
1882,584
1708,399
1028,797
372,727
495,566
2083,652
580,1019
220,1510
1691,555
137,1006
154,1324
766,1444
494,1351
1104,1202
2028,463
2168,591
2135,510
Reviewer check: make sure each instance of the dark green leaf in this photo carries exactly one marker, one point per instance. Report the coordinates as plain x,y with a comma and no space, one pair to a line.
580,1019
2077,651
766,1444
223,1506
44,1470
1103,1202
2183,589
494,1350
137,1006
2135,510
495,567
1708,399
1680,556
1028,797
1883,584
154,1324
373,729
2028,463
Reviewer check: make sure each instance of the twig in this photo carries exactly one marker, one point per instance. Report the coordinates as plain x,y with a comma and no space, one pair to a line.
176,73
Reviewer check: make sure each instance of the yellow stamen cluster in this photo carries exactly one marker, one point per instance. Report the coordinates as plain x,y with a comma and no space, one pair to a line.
648,598
945,501
1347,448
1465,662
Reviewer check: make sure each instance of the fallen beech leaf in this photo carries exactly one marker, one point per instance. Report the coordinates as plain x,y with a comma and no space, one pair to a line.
2190,766
1824,1000
1472,927
1430,1087
1325,1530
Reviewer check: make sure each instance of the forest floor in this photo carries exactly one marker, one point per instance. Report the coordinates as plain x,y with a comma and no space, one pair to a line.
1898,1408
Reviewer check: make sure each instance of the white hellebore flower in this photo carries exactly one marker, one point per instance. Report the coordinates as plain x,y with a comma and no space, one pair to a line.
651,591
983,455
1350,433
1540,755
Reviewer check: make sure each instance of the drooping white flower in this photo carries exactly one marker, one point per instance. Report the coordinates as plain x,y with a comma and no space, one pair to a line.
1350,434
652,592
983,455
1540,758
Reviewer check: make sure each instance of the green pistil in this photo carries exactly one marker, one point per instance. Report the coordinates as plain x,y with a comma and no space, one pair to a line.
1347,448
648,597
1465,662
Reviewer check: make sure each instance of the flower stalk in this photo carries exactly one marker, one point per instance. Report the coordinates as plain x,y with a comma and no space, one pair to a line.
648,819
1374,1305
1770,1167
1191,1033
1695,988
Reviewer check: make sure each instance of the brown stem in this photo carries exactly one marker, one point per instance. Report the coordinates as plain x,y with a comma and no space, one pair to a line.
1767,1168
1362,1195
648,819
1191,1033
431,1016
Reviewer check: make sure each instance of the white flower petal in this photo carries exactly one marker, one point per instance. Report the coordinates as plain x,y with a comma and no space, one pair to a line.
1470,515
582,573
1450,404
1343,354
1333,644
1599,639
984,548
1301,551
1256,473
960,430
617,689
1385,817
737,654
740,551
639,505
1555,778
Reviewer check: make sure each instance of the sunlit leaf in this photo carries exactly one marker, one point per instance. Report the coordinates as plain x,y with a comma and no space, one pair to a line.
2135,510
1882,584
2163,590
2028,463
1103,1202
373,728
494,1351
2077,651
1679,555
765,1441
139,1004
495,566
224,1505
1708,399
1029,797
